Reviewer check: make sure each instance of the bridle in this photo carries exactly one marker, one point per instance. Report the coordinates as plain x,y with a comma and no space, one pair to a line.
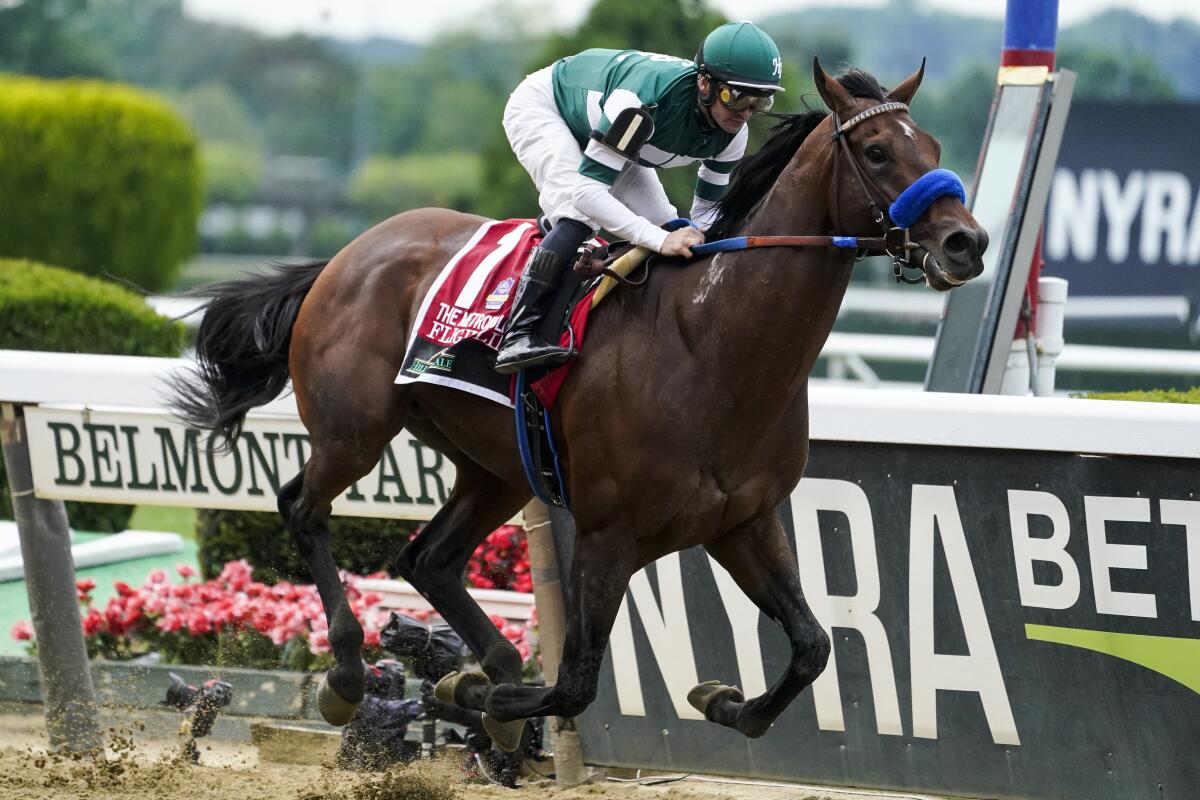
896,241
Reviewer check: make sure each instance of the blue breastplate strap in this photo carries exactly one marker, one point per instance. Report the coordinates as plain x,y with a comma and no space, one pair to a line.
916,199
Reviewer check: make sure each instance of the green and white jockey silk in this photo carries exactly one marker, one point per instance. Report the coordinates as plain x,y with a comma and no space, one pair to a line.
593,87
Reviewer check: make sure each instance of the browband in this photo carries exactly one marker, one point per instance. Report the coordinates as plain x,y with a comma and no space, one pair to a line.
882,108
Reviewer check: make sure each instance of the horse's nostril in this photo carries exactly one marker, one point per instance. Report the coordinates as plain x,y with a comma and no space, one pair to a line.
959,245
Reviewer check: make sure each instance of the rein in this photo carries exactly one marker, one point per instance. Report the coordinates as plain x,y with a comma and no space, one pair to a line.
912,203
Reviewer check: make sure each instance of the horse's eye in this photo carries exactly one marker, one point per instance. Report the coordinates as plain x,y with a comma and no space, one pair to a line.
876,154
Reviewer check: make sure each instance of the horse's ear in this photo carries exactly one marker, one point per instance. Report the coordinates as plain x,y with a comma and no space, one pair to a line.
908,87
833,93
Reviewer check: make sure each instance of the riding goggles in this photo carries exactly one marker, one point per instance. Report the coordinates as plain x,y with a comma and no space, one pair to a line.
736,99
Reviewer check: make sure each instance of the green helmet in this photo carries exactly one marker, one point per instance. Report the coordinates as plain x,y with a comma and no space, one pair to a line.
741,54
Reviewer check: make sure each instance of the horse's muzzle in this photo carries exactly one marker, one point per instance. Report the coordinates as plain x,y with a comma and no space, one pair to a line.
958,258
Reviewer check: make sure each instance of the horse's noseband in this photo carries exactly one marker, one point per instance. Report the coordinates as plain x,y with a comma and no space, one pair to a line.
906,209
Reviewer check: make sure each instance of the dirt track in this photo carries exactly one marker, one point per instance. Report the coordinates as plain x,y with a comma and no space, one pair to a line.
143,767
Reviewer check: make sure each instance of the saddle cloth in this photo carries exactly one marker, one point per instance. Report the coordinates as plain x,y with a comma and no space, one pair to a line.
460,321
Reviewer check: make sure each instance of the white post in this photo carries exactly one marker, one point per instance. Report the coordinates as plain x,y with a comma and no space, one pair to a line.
548,592
69,703
1016,370
1052,306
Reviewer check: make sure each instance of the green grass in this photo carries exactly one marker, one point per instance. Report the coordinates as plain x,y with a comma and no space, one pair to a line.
1152,396
165,518
14,598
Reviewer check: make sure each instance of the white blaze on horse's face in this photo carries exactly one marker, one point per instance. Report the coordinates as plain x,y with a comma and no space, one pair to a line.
908,131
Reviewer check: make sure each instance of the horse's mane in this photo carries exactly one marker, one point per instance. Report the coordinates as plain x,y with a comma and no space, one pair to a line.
755,175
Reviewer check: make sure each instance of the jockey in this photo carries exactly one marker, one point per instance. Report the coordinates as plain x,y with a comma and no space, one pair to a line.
592,128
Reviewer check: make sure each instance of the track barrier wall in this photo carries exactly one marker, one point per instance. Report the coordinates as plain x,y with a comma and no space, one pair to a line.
1005,623
1012,584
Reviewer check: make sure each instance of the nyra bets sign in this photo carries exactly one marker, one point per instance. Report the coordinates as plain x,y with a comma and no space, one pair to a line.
1123,216
123,456
1004,623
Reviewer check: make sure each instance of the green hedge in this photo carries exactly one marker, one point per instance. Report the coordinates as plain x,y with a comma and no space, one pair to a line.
360,545
1152,396
98,177
44,308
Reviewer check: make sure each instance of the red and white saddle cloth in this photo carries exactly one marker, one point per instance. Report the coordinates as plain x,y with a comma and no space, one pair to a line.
457,333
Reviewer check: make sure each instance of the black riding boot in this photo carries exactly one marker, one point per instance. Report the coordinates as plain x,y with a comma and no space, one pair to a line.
522,347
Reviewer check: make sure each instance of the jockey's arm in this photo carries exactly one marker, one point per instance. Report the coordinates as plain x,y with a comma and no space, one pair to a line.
592,197
613,146
713,178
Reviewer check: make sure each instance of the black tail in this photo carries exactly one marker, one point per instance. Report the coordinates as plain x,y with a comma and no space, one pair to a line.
242,348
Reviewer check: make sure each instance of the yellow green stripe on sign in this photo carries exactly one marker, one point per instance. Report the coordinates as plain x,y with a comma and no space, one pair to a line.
1176,658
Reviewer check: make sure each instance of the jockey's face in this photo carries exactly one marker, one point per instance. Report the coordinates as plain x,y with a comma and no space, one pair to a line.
722,116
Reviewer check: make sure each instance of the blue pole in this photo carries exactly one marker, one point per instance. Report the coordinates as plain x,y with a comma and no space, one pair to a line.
1030,31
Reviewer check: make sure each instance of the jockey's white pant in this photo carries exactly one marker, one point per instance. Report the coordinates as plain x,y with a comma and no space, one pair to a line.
549,153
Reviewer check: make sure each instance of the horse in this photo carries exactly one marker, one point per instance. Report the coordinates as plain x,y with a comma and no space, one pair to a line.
684,421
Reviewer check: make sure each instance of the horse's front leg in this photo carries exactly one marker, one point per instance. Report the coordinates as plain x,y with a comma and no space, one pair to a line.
600,572
758,558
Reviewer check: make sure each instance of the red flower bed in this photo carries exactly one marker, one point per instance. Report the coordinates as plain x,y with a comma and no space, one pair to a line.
502,561
233,620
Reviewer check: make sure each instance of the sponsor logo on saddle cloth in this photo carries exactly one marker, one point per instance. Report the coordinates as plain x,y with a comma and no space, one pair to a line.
496,300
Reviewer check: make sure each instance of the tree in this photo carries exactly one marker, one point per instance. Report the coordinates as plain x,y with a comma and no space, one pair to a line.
304,94
232,172
1107,74
36,39
957,115
449,99
957,112
381,187
217,114
675,27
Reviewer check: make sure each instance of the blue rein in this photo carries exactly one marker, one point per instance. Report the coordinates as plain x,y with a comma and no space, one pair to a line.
912,203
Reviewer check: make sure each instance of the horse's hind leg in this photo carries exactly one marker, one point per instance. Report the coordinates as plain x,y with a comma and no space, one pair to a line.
305,503
758,558
435,560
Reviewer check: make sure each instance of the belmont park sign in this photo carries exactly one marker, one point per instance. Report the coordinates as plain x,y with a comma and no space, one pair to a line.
123,456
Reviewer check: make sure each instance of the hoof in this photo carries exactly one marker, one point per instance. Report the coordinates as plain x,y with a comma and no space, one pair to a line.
506,735
335,709
707,697
455,688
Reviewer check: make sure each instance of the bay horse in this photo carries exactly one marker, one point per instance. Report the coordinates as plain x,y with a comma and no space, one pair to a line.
684,422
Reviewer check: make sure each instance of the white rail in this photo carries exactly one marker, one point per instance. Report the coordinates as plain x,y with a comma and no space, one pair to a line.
925,306
848,354
921,306
30,377
838,413
399,596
